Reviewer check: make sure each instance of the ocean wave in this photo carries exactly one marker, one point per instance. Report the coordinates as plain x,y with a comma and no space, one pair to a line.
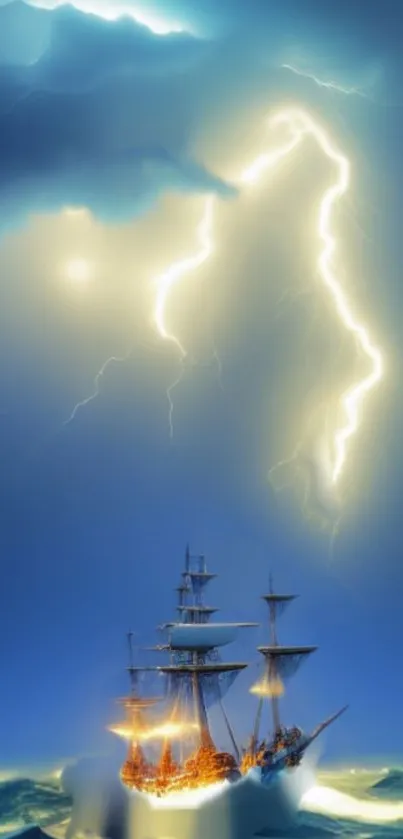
390,785
25,801
340,805
326,811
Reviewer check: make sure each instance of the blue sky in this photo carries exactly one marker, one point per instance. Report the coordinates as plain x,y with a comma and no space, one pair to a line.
137,128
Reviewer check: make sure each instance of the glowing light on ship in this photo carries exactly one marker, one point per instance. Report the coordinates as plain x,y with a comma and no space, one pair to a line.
163,731
268,688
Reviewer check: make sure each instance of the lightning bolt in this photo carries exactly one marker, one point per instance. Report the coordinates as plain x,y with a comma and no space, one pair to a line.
169,279
97,385
169,393
167,282
328,85
299,124
218,363
336,87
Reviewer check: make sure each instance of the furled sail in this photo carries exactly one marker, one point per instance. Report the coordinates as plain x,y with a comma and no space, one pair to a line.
203,637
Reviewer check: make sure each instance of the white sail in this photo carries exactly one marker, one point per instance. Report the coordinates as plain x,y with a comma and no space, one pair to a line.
202,637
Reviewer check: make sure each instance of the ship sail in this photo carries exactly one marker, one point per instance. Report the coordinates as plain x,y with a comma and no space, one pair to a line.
278,602
285,660
215,679
203,637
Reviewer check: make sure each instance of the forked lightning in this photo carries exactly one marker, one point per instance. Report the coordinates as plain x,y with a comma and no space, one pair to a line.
298,124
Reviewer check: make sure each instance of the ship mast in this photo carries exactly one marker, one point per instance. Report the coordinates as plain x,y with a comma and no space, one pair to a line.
193,643
196,577
136,707
281,662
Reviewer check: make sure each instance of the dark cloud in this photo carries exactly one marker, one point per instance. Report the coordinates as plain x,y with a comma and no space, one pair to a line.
24,33
73,132
83,50
115,188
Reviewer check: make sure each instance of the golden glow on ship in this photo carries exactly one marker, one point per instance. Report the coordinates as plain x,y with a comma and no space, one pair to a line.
268,688
163,731
204,767
299,125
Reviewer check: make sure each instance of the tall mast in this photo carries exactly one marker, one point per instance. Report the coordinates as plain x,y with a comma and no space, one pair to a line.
133,680
200,707
195,580
135,701
136,707
280,662
272,669
195,669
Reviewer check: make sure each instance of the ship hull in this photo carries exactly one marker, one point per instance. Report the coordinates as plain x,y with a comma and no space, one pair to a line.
226,811
102,805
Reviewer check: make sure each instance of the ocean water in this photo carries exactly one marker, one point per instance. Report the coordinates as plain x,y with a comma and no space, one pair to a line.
354,802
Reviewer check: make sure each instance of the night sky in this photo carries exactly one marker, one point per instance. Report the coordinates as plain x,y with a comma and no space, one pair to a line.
135,128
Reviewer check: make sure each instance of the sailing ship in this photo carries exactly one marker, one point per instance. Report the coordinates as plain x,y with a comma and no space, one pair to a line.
195,679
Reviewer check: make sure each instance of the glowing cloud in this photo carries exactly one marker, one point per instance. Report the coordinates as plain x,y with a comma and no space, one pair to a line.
113,10
299,124
78,271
